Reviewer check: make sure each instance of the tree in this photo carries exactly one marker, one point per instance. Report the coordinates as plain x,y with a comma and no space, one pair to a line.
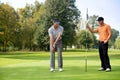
28,26
92,21
8,22
117,43
68,14
114,36
85,38
81,31
40,36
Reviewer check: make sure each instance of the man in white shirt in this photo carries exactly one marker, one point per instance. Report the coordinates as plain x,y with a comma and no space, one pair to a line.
55,34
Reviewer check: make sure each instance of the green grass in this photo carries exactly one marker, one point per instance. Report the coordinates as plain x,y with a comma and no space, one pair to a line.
35,66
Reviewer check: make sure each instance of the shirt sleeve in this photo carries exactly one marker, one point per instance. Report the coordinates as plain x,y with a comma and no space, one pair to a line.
109,29
61,32
50,32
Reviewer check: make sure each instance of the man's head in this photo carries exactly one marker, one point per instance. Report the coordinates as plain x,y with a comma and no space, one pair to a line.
56,23
100,20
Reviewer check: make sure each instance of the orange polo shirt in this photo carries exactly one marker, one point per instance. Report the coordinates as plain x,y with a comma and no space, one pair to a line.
104,31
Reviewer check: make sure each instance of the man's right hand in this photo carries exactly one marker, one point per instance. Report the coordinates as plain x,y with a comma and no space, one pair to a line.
90,29
87,25
53,45
53,49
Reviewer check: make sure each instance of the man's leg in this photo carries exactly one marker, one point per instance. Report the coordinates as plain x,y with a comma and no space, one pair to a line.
101,55
106,60
52,59
60,60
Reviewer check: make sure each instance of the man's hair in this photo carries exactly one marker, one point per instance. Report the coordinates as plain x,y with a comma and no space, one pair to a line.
56,20
100,19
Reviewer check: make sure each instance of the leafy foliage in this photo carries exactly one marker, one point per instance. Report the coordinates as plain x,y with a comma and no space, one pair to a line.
85,39
8,23
27,28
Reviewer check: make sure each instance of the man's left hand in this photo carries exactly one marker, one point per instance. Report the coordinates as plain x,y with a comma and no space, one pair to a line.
54,45
105,41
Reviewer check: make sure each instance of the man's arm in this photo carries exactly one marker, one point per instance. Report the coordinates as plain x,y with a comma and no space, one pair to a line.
59,36
91,30
51,41
52,46
110,34
57,39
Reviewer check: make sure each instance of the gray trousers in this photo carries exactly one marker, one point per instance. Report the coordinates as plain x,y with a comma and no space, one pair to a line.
52,56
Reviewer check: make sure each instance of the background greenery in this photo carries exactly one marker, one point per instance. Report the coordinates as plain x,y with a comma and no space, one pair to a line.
35,66
27,28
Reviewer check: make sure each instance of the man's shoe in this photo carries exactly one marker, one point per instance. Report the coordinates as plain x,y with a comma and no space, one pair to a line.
60,69
101,69
108,70
52,70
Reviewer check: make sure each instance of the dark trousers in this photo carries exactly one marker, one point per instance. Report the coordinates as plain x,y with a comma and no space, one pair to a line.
103,53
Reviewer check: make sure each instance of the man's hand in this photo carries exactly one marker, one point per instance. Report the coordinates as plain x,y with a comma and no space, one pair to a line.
53,49
87,26
90,29
53,45
105,41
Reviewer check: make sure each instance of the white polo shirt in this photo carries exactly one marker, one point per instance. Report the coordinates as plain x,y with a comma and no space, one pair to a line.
55,32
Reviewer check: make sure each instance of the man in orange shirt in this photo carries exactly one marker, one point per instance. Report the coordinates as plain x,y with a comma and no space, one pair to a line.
105,33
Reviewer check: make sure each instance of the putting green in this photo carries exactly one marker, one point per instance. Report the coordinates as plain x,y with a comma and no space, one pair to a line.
35,66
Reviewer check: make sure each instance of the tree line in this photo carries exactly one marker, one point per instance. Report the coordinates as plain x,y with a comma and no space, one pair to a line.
27,28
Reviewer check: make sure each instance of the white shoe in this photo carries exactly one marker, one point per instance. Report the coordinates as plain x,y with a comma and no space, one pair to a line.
108,70
60,69
52,70
101,69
